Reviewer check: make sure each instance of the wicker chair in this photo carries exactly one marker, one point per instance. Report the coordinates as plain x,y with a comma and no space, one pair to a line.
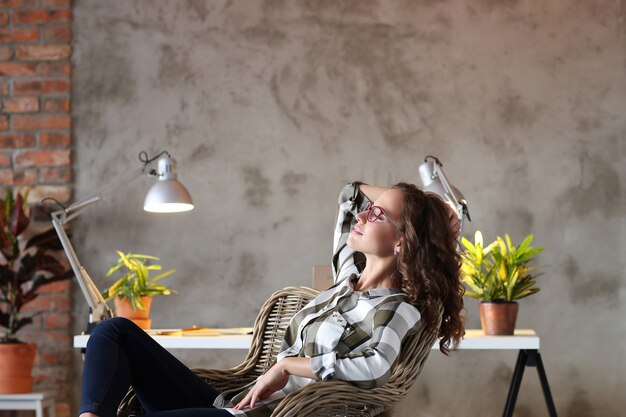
319,399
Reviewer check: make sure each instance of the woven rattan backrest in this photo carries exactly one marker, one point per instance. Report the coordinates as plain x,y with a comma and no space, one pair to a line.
413,354
271,323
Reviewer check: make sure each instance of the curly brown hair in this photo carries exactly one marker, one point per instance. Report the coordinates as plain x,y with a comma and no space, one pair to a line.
428,266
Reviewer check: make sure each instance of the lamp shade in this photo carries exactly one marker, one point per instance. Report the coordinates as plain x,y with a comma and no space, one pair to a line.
437,188
427,172
168,195
432,181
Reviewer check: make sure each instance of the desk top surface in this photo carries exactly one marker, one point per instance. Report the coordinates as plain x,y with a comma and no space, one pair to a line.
41,395
474,339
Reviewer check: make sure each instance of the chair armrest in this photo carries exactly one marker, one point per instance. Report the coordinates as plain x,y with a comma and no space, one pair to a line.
224,379
339,396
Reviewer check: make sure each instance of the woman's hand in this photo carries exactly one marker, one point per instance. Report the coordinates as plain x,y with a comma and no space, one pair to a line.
372,192
273,380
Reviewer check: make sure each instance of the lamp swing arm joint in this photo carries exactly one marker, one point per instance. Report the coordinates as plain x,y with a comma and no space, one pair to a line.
66,215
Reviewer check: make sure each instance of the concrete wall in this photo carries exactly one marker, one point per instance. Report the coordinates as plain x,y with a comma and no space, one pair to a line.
271,106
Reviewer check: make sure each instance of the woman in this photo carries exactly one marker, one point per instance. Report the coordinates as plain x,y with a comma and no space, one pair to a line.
394,262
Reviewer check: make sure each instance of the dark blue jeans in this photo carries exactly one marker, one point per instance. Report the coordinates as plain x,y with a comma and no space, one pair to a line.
120,354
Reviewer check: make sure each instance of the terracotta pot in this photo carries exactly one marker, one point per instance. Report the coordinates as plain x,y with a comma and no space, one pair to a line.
140,318
16,367
498,318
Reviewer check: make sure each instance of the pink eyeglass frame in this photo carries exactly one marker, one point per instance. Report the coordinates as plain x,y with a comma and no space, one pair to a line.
372,217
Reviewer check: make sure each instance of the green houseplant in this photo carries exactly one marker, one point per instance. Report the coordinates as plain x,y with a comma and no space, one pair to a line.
25,265
498,275
133,291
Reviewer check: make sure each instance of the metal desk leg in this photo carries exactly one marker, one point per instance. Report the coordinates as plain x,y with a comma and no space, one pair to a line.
535,357
528,357
520,365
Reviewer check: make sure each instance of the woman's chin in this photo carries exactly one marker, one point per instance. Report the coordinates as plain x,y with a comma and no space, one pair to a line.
350,242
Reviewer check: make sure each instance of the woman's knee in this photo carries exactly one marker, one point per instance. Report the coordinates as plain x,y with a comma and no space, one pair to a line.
113,326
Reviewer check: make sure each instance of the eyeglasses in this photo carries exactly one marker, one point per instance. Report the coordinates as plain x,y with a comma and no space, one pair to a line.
375,213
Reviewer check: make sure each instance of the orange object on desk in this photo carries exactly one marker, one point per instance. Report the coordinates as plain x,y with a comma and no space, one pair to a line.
201,331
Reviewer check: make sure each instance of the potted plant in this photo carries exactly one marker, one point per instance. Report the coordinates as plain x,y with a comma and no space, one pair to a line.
498,275
133,292
24,267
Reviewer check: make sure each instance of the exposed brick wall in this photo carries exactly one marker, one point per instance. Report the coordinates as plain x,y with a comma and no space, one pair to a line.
35,151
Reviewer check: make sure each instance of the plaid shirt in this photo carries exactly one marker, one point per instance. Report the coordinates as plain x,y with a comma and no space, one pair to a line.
351,336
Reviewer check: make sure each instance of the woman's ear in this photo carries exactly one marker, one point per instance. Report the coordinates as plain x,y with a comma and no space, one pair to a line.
398,246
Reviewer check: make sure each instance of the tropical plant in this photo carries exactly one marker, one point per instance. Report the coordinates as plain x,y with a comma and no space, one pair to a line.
499,272
24,265
136,281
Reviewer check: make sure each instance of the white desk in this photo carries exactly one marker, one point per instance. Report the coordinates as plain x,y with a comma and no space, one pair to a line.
525,341
474,339
189,342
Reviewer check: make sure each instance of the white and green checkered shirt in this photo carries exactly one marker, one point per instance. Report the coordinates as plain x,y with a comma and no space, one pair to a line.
351,336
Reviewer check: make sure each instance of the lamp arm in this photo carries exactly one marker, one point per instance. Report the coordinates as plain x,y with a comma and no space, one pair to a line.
437,171
460,205
98,309
75,209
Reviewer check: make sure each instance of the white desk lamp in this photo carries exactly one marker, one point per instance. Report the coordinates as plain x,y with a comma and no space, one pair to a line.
435,180
168,195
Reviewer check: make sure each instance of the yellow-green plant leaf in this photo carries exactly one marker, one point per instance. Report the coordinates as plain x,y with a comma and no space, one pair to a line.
508,241
502,271
113,269
125,260
489,248
470,282
163,275
140,256
525,243
154,267
467,244
468,268
478,238
501,245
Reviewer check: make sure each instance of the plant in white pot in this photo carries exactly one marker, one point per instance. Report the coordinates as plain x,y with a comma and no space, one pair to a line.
25,265
498,275
133,291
